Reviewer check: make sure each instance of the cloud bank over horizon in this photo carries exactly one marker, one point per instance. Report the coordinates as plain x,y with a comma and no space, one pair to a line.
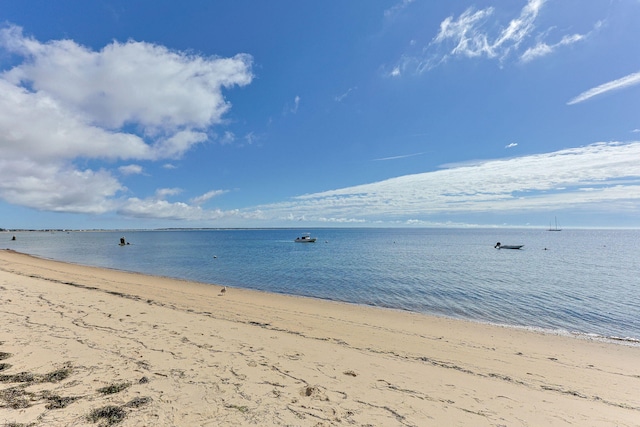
604,174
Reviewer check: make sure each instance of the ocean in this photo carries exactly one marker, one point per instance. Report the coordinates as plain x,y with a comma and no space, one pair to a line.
583,282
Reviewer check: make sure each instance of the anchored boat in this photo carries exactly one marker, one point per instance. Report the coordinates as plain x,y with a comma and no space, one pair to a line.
305,238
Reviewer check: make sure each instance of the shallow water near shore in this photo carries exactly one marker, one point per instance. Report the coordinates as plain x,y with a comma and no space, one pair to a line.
575,281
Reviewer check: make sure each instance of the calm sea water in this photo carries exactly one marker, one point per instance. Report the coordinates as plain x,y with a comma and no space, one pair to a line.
573,281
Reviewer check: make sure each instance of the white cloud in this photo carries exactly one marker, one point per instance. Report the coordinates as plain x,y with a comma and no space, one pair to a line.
463,33
477,34
37,126
133,82
520,184
543,49
513,144
227,138
251,138
162,193
340,98
470,35
207,196
598,176
296,104
622,83
162,209
397,157
130,169
395,9
177,144
47,125
57,187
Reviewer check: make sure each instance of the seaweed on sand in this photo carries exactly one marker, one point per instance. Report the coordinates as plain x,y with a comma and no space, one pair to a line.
56,401
28,377
138,402
113,388
57,375
16,398
110,414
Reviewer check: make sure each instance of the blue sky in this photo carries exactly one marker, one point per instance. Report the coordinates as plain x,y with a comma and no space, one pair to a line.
146,114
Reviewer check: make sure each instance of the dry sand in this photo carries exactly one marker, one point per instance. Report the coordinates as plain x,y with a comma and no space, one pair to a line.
88,346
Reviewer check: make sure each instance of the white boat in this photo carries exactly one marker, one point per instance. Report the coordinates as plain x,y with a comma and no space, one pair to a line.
306,238
501,246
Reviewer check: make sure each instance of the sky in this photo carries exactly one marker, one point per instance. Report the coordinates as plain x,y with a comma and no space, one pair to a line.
395,113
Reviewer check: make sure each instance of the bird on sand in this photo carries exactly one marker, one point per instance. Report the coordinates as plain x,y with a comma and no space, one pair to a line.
223,290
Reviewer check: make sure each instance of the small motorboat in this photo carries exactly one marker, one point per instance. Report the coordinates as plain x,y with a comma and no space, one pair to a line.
501,246
306,238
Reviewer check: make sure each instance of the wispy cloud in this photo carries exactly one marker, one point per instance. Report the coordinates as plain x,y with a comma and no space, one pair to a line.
476,33
207,196
543,49
397,157
340,98
622,83
296,104
513,144
393,10
227,138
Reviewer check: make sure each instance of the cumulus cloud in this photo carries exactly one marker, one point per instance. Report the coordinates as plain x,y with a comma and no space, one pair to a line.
152,208
128,101
132,82
622,83
478,34
57,187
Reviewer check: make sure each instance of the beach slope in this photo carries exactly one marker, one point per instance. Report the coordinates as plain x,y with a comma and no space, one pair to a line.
84,346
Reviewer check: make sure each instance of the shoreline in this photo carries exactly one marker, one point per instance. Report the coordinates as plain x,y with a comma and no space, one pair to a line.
190,354
590,336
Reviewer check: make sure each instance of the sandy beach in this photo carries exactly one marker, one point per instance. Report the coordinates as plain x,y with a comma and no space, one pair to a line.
84,346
